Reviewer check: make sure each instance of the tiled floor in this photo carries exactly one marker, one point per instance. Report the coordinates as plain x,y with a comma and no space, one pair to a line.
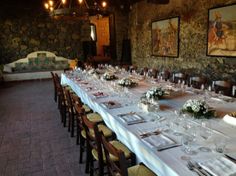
32,139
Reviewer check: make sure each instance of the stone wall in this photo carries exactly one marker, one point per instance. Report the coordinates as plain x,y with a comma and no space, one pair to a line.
19,37
193,36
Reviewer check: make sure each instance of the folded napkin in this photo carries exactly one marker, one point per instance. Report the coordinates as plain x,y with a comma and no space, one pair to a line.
132,119
99,95
158,141
226,98
230,120
219,166
216,99
222,98
111,104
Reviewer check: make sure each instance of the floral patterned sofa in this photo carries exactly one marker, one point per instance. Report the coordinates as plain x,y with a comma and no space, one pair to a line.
36,65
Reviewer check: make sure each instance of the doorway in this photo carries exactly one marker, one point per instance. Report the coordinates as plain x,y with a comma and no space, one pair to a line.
102,35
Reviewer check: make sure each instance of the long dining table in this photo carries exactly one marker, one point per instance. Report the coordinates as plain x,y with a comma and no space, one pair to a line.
96,92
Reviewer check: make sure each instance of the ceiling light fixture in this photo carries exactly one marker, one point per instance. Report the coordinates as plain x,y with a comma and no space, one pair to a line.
75,7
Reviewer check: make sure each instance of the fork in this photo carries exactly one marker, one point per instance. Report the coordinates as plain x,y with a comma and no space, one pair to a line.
196,165
144,135
193,168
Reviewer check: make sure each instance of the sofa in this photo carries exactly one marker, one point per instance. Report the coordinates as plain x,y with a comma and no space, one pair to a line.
36,65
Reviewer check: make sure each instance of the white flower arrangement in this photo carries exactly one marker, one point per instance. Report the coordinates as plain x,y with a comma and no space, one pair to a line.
109,76
198,108
126,82
91,71
154,93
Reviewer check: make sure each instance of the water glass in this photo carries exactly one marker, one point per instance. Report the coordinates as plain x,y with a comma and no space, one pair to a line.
220,144
187,142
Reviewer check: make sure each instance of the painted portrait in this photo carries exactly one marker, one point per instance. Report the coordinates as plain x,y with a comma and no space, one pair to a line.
221,40
165,37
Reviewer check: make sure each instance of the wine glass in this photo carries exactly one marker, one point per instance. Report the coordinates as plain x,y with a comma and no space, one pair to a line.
187,142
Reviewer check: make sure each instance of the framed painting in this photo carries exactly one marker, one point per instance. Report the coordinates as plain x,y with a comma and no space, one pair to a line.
165,37
221,34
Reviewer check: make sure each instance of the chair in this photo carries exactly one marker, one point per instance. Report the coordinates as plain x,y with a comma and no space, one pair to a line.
165,75
224,87
133,68
144,71
70,110
126,67
153,73
119,167
55,88
94,117
94,147
179,77
197,81
61,99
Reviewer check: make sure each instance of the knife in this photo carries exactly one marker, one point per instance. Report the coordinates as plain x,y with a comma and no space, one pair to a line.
168,147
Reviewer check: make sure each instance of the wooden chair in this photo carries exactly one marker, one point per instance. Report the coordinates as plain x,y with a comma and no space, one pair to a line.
126,67
55,87
61,99
119,167
133,68
80,132
94,147
153,73
179,77
144,71
94,117
165,75
225,87
197,81
70,110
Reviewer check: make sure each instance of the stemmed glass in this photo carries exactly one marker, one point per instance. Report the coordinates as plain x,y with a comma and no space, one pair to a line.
187,141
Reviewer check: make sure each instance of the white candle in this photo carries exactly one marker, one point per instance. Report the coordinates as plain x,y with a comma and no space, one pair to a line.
233,90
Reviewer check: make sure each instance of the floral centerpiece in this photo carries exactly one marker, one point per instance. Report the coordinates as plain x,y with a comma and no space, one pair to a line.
91,71
127,82
198,108
154,93
109,76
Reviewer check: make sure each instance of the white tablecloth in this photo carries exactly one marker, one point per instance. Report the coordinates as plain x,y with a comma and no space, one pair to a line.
164,163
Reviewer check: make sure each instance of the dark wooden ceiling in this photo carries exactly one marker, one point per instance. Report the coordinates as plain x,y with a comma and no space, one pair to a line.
17,8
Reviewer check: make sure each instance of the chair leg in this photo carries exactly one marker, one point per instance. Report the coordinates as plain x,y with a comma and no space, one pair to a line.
64,115
88,160
78,131
91,166
72,125
82,147
55,95
69,122
100,168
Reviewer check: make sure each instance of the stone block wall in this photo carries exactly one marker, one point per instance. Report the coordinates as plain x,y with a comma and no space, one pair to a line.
19,37
193,38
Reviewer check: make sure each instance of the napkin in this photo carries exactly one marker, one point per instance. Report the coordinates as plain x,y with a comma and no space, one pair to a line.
99,95
230,120
158,141
216,99
132,118
219,166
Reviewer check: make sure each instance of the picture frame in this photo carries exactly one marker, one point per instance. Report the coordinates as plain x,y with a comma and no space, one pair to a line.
221,31
165,37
